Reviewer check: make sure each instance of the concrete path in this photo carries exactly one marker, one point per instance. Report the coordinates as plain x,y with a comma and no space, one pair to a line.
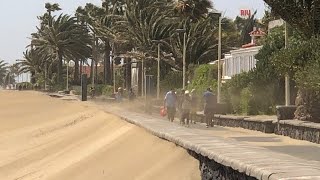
263,156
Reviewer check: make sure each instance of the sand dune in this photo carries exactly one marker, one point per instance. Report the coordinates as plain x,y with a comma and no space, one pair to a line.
47,138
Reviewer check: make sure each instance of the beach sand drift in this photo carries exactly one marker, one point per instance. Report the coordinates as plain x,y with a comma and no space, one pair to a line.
48,138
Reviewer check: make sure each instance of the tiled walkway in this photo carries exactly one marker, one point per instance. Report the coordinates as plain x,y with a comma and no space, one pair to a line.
264,156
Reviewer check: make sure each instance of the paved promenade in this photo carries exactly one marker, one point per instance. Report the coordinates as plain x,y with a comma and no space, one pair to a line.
263,156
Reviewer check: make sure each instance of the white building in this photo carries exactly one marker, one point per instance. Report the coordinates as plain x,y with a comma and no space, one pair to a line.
243,59
238,61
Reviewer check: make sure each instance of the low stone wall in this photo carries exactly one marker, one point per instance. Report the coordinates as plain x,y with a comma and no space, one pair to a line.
295,129
285,112
211,170
251,123
301,130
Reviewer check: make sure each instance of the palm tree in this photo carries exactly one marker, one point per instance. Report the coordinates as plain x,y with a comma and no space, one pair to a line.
51,8
65,39
14,70
146,22
107,29
3,71
192,13
90,16
102,23
33,62
193,9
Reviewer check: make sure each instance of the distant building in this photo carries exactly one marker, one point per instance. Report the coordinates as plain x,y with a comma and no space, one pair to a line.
86,69
242,59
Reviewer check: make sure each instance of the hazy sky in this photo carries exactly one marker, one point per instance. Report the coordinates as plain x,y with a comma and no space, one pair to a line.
18,19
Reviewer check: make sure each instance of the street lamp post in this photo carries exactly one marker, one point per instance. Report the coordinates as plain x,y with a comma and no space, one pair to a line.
142,78
114,75
158,69
219,60
287,78
184,59
158,74
113,70
184,56
45,76
159,42
67,75
93,73
219,57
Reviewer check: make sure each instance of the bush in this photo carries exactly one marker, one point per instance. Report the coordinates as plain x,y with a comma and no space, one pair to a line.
77,90
102,89
28,85
204,76
264,84
246,101
172,80
107,90
57,87
246,95
232,90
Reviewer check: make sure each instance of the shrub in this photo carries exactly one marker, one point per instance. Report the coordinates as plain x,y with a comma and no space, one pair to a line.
28,85
172,80
204,76
264,83
101,89
107,90
245,98
76,89
232,90
246,95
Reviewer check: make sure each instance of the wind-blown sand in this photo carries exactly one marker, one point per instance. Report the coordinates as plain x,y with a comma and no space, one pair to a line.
47,138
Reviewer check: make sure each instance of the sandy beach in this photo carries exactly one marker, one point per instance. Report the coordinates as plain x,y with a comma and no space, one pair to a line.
48,138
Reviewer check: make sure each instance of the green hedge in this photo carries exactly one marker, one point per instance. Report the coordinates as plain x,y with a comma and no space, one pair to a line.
204,76
101,89
246,96
107,90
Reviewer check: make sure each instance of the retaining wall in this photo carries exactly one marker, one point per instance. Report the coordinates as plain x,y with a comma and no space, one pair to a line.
301,130
211,170
265,125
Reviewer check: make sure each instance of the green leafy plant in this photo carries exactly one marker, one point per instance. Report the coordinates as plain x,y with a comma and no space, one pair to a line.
204,76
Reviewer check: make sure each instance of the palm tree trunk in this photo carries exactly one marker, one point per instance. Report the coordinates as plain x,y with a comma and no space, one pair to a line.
128,73
76,72
308,105
124,72
49,73
139,78
107,64
104,79
96,73
33,77
81,67
91,70
60,69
